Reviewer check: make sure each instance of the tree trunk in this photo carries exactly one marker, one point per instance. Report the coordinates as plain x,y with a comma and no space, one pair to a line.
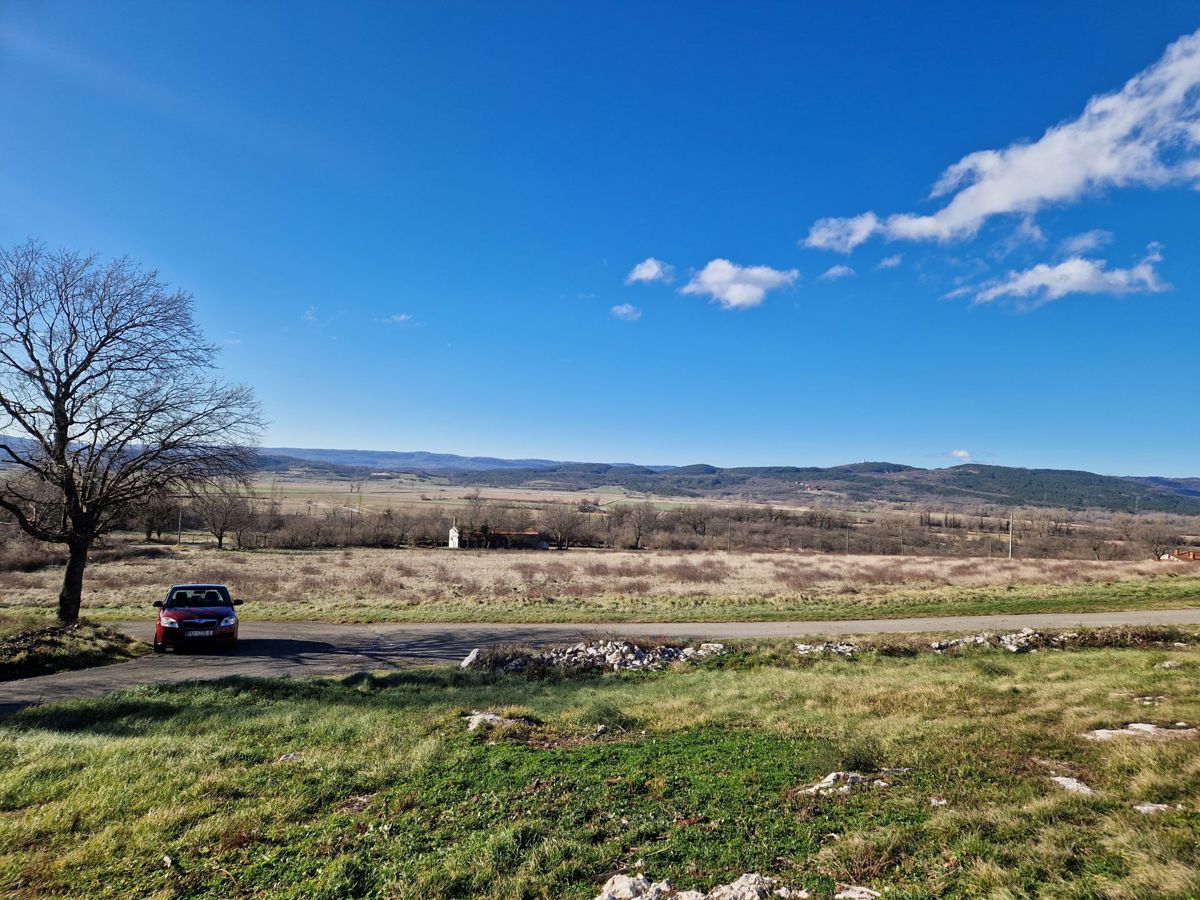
221,541
71,595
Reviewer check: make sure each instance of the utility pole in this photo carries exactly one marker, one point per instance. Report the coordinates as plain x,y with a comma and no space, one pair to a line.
1010,529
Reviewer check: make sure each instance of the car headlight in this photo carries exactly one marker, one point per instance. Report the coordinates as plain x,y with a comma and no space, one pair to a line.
168,622
229,620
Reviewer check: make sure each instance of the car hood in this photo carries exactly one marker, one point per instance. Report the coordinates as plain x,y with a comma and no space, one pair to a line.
184,614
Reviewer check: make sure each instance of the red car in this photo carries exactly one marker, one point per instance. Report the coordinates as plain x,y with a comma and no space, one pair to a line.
195,614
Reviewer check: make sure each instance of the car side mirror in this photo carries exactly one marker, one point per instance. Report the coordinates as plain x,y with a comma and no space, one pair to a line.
158,603
237,602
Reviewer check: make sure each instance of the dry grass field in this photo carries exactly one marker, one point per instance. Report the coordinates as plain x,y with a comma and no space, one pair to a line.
405,493
597,586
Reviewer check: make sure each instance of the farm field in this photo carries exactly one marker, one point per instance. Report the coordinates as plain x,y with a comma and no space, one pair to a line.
401,492
366,585
372,785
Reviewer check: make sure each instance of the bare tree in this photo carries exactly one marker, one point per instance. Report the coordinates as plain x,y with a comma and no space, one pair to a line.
696,517
643,519
225,507
1099,544
107,397
156,513
1160,539
563,523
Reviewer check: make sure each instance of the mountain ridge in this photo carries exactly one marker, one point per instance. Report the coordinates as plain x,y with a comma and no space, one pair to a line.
962,486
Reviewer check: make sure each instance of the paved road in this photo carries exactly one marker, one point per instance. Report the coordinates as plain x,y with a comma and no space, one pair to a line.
315,648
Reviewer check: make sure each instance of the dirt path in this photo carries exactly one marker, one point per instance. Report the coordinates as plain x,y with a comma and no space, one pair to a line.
313,648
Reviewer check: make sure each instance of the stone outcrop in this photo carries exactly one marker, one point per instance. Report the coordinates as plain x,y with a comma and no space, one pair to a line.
484,720
1152,809
1145,731
1072,785
750,886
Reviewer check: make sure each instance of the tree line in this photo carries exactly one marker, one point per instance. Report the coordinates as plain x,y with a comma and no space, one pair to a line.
234,515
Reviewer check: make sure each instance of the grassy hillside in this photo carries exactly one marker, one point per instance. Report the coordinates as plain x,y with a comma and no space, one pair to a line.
373,787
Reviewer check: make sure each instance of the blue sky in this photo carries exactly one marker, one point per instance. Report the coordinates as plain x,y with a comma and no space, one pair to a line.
614,232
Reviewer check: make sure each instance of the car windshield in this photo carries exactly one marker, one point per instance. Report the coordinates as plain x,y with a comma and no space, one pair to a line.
217,595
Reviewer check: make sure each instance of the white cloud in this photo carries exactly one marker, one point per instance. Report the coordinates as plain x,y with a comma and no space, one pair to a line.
399,319
626,312
842,235
961,455
1078,244
835,272
650,270
310,314
1076,275
1030,231
1147,133
737,287
890,262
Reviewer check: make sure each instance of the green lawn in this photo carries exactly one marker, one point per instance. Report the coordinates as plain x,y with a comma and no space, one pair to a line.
371,786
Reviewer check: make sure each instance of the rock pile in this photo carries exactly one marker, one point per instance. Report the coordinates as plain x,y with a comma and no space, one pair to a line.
593,656
840,648
978,640
846,782
751,886
1022,641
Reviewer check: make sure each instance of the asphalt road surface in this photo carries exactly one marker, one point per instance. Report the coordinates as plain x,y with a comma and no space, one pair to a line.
271,649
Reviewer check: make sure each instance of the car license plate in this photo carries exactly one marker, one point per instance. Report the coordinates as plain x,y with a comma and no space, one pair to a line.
207,632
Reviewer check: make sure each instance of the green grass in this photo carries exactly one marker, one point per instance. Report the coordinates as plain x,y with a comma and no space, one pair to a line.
388,795
889,603
34,648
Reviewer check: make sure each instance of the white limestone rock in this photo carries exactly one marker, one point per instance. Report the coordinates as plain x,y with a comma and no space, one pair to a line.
1072,785
477,720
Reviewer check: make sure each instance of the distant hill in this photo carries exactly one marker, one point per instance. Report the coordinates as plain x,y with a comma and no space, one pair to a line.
417,460
1185,487
401,461
963,487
